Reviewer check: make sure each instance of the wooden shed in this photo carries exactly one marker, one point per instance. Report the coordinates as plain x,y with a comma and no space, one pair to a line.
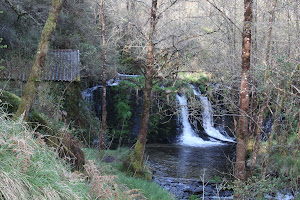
62,65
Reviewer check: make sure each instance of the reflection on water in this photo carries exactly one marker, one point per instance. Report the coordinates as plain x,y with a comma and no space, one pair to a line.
176,161
180,169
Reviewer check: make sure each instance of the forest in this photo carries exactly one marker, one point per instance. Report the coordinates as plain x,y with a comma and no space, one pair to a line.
149,99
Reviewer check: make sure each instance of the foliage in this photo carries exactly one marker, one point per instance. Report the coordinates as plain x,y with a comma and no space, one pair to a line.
150,190
30,170
287,167
256,188
216,179
128,61
10,102
122,111
193,197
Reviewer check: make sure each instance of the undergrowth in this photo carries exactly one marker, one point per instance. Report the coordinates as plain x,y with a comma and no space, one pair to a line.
141,188
31,170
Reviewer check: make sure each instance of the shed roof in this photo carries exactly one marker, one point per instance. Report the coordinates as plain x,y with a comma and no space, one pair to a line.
62,65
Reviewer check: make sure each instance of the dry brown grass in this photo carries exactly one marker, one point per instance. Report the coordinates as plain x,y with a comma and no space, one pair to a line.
105,187
30,170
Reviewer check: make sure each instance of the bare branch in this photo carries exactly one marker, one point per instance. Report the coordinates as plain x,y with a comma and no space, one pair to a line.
20,12
224,15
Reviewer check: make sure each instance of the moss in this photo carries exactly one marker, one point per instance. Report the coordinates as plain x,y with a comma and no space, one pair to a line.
137,156
72,101
135,165
10,103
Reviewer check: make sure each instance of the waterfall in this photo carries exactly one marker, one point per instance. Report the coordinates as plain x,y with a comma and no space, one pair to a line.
87,94
207,117
188,136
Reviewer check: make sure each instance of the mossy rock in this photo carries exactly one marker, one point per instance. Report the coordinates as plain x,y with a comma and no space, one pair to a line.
9,102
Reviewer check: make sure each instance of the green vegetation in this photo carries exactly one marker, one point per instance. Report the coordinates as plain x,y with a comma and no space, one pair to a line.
31,170
10,102
149,190
122,110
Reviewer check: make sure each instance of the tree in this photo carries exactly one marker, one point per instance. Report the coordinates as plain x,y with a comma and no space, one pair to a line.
39,61
242,129
104,77
150,72
166,41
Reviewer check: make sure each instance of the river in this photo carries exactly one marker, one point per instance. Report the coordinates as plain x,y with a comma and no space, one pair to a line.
182,170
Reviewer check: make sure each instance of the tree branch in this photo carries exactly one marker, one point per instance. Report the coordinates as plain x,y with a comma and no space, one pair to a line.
224,15
20,12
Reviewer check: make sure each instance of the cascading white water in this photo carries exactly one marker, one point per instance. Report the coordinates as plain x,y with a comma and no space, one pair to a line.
188,136
87,94
207,117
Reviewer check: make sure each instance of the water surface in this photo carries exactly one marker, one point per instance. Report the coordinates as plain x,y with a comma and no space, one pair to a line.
188,162
182,170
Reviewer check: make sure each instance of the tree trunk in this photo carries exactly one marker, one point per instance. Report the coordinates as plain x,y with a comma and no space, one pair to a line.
142,137
254,35
265,92
242,130
104,77
149,74
40,61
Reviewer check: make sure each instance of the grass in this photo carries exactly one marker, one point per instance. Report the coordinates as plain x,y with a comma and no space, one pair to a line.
31,170
149,190
194,77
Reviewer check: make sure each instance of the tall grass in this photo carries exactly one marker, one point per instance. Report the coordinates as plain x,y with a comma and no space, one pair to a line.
131,186
31,170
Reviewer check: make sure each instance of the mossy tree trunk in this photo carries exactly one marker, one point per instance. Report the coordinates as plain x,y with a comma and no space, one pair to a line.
40,61
242,129
104,77
138,155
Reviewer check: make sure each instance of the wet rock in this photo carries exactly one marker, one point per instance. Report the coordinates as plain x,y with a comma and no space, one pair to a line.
109,159
185,188
198,190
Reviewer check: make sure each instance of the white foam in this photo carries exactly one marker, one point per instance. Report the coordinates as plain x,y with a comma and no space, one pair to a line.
188,136
207,117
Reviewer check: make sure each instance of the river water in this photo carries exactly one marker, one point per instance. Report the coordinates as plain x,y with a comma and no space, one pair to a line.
182,170
190,166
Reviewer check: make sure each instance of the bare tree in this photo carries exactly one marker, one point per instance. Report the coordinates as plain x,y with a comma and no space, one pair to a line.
149,74
104,77
242,129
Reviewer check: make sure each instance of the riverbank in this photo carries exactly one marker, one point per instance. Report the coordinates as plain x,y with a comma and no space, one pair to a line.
32,170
